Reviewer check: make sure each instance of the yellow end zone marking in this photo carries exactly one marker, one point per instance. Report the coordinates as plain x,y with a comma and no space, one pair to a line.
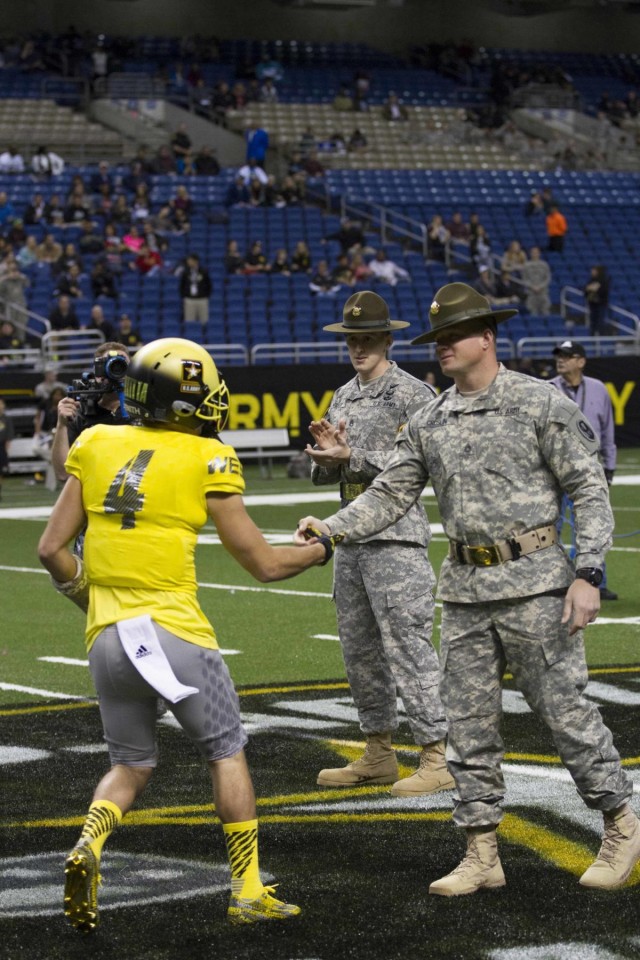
566,854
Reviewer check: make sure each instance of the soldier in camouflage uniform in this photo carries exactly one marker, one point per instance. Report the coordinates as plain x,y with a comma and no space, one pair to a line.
383,585
500,448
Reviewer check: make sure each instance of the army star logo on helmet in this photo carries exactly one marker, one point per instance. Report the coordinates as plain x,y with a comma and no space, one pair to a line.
191,369
435,306
357,311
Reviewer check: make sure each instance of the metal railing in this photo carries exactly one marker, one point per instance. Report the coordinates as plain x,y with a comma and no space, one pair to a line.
71,349
542,347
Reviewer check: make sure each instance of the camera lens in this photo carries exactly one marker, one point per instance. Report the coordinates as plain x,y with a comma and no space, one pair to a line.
115,368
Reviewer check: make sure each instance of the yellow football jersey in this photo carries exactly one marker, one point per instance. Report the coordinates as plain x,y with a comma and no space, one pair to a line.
144,490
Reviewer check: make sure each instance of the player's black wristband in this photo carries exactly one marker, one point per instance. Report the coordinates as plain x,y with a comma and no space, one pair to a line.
328,542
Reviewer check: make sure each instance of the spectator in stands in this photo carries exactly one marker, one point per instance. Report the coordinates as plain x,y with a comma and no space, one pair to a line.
34,213
181,147
342,272
268,91
11,161
506,290
458,229
255,260
514,258
49,251
312,165
269,69
393,110
359,268
239,97
54,211
138,176
113,249
78,189
30,57
141,206
63,315
99,62
480,248
9,341
68,257
343,101
596,292
205,163
385,270
12,288
148,262
437,238
485,283
101,178
164,161
127,333
257,195
195,290
251,170
280,264
322,283
202,99
291,191
49,382
237,194
103,282
535,204
16,235
362,86
233,261
46,416
153,239
98,321
27,255
536,276
75,212
70,283
350,236
357,142
257,144
177,81
7,211
181,201
132,241
91,240
120,213
548,200
46,164
556,230
301,258
221,100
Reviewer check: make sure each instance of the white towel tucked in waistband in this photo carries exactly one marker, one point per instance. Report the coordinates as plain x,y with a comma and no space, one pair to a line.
141,645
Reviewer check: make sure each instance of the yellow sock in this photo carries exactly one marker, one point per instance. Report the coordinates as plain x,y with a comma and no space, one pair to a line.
242,849
103,817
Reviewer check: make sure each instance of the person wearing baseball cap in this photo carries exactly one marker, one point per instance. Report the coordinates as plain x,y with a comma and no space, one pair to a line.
383,585
593,398
500,448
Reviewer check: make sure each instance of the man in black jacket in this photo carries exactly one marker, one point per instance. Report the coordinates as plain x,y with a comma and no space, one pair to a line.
195,290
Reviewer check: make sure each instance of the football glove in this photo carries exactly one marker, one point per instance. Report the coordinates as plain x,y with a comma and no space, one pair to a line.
328,541
77,589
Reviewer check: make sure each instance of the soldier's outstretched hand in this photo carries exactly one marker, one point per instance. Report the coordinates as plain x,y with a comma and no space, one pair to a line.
331,444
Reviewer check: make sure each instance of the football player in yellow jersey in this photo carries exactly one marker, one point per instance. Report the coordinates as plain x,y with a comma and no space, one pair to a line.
144,492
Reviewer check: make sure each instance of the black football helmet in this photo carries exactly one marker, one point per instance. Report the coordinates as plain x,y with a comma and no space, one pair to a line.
176,381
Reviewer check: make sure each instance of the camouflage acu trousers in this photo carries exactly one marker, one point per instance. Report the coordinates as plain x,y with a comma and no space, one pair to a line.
478,642
384,603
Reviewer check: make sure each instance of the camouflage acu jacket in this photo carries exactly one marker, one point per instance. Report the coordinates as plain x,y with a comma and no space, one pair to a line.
498,464
374,418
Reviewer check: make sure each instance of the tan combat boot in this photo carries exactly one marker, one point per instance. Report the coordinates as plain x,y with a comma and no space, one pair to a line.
430,777
619,853
480,870
377,764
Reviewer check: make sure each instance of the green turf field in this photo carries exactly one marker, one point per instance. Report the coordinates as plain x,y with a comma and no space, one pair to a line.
359,862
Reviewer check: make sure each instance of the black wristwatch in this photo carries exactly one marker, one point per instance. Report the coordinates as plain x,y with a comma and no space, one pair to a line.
592,575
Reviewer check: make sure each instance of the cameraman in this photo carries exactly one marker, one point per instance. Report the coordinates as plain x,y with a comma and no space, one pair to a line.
74,416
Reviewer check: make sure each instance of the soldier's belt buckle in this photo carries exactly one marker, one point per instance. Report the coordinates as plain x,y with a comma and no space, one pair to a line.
484,556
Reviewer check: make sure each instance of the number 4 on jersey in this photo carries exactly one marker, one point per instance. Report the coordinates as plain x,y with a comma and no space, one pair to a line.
124,494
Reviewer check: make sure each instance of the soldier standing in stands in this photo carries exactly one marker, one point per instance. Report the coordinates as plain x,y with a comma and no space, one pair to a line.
383,585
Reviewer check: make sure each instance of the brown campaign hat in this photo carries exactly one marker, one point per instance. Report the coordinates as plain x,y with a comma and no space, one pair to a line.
366,312
458,303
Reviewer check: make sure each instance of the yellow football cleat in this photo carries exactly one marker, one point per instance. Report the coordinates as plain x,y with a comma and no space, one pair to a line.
264,907
81,888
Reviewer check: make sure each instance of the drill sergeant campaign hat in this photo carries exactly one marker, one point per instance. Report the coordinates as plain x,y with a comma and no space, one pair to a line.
456,304
366,312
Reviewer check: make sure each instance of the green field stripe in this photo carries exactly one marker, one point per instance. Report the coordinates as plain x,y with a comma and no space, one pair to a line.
553,847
